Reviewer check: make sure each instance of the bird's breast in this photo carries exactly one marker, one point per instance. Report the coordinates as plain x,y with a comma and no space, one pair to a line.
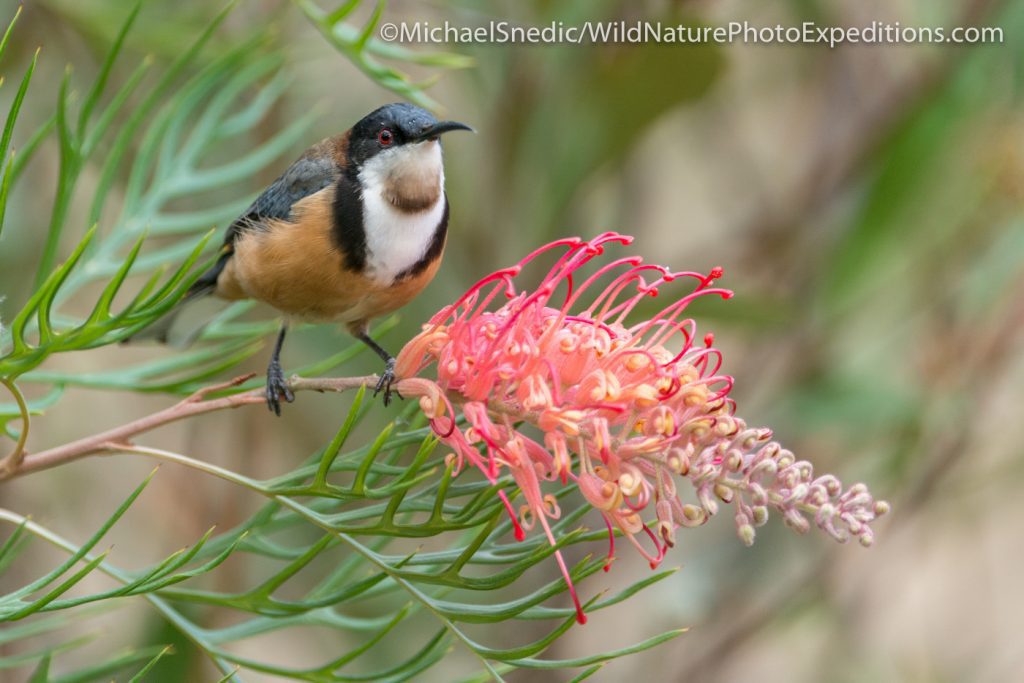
398,240
297,267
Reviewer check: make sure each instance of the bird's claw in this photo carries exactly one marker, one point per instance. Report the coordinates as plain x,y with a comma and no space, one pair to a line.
385,381
277,388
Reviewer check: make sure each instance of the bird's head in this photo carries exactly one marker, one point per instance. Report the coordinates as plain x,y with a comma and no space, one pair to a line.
396,131
396,150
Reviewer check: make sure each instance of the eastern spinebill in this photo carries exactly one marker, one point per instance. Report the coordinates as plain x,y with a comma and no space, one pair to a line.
353,230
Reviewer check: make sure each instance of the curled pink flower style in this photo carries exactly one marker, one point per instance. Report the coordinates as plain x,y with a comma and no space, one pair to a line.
626,407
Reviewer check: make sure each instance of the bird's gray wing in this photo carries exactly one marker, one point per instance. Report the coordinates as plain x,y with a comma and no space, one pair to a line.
314,170
310,174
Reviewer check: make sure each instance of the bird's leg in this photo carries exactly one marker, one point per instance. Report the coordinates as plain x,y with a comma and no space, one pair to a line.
388,376
277,387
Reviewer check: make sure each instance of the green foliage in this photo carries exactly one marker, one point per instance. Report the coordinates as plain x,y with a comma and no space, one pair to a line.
343,522
361,48
10,171
101,327
378,545
180,126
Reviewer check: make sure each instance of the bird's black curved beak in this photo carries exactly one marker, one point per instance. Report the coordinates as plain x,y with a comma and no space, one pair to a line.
440,127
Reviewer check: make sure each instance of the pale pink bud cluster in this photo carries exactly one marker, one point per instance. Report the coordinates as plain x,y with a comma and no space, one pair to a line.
624,407
741,466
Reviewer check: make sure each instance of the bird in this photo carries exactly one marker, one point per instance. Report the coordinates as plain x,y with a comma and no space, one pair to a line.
354,229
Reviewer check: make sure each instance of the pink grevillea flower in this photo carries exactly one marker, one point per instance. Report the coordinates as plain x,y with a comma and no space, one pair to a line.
626,407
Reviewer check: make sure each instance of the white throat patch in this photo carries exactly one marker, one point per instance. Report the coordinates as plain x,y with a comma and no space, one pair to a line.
395,239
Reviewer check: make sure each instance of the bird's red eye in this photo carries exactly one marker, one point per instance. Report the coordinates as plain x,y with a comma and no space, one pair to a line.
385,137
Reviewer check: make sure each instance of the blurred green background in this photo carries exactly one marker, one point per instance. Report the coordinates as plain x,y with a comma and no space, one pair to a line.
866,203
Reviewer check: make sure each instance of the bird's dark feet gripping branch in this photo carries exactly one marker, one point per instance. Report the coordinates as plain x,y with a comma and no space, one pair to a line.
277,385
387,377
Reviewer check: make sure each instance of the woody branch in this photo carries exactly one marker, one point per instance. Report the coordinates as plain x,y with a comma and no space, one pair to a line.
196,404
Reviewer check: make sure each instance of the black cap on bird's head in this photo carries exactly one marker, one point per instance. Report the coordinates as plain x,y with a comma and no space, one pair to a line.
394,125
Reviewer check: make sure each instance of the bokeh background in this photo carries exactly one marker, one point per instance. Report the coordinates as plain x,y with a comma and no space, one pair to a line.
867,205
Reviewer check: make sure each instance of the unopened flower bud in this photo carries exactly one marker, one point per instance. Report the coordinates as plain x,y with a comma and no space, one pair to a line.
678,461
746,533
784,459
706,501
796,495
693,515
734,461
631,480
724,493
796,521
760,515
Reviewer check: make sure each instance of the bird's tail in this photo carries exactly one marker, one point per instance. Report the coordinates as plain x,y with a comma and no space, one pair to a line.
166,329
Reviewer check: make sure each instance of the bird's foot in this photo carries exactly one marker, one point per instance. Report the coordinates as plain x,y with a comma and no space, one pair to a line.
277,387
387,378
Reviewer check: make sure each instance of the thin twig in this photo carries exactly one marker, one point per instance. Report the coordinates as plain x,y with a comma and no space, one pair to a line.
196,404
14,459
